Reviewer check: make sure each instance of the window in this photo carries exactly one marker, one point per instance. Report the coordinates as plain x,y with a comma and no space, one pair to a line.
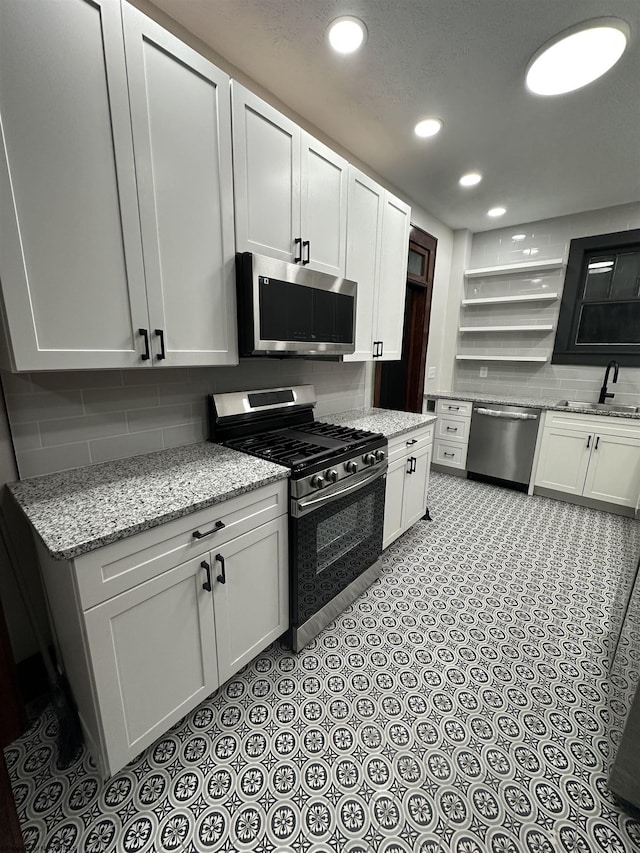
600,311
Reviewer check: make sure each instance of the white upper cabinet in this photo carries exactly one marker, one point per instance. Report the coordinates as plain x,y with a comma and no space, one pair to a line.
116,203
378,227
70,255
394,256
290,189
323,206
366,202
181,119
266,164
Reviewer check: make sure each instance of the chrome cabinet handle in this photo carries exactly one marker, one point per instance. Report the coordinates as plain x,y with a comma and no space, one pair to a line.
216,527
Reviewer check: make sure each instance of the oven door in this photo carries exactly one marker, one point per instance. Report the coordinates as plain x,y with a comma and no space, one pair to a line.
336,542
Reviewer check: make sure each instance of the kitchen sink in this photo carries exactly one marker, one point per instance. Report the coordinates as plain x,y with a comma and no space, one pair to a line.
600,407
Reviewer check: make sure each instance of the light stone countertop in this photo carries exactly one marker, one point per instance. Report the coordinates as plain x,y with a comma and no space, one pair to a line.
76,511
547,403
387,421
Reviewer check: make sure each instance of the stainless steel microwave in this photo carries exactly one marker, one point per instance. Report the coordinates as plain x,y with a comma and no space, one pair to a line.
285,309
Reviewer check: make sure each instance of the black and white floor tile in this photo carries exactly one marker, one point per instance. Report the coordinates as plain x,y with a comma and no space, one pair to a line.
459,706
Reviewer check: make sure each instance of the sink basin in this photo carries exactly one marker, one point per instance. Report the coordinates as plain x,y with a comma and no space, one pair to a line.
600,407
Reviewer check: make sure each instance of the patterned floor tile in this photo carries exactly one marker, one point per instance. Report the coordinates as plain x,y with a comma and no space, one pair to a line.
462,705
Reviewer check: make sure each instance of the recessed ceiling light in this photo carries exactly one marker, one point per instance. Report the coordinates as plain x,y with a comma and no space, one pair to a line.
518,237
577,56
347,34
428,127
470,180
497,211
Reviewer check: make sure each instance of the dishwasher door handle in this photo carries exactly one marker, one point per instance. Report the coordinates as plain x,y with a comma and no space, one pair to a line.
515,416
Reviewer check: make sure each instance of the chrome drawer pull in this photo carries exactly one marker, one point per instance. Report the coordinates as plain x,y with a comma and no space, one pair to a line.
218,526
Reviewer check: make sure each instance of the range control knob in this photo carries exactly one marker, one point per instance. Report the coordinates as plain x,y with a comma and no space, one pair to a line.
351,467
380,455
317,481
332,475
369,459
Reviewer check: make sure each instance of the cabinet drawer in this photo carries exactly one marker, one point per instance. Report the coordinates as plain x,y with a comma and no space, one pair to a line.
453,429
123,565
409,442
457,408
449,454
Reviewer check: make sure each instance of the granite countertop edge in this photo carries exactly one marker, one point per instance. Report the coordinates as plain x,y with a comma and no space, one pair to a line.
107,493
389,422
148,524
533,402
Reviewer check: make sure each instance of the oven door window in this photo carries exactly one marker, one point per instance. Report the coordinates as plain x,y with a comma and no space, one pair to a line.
333,545
343,531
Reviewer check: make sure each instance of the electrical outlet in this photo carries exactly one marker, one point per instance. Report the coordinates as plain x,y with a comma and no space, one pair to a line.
483,372
431,373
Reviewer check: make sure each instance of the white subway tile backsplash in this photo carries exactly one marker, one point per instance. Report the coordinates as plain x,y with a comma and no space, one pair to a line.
33,463
70,430
97,400
25,408
64,420
121,446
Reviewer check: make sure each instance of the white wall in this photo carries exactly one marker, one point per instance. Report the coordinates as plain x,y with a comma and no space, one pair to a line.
551,238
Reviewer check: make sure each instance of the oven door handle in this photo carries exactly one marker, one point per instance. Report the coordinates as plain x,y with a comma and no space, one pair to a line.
302,507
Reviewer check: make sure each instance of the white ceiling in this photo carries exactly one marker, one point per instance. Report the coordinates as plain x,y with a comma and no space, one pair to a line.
461,60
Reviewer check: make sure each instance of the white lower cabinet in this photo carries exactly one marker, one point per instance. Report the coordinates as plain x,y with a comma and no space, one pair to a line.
591,457
407,482
452,433
141,659
153,654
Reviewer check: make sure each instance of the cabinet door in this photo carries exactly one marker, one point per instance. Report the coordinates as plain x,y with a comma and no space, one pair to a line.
415,487
266,164
154,658
564,457
614,470
71,258
364,229
323,177
181,116
252,605
393,501
392,284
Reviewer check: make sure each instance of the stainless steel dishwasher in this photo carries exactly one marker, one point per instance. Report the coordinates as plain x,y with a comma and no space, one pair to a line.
502,441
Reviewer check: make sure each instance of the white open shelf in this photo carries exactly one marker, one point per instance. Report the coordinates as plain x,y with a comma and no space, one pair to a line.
533,328
532,358
526,266
526,297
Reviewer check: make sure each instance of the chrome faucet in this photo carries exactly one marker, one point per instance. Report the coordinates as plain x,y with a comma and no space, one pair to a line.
604,395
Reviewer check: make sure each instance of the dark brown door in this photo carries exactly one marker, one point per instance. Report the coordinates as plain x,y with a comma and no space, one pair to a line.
400,384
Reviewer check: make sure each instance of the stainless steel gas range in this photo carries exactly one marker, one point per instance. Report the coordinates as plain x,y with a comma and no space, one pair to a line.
336,503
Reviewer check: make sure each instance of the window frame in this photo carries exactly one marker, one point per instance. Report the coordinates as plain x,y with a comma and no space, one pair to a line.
565,350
